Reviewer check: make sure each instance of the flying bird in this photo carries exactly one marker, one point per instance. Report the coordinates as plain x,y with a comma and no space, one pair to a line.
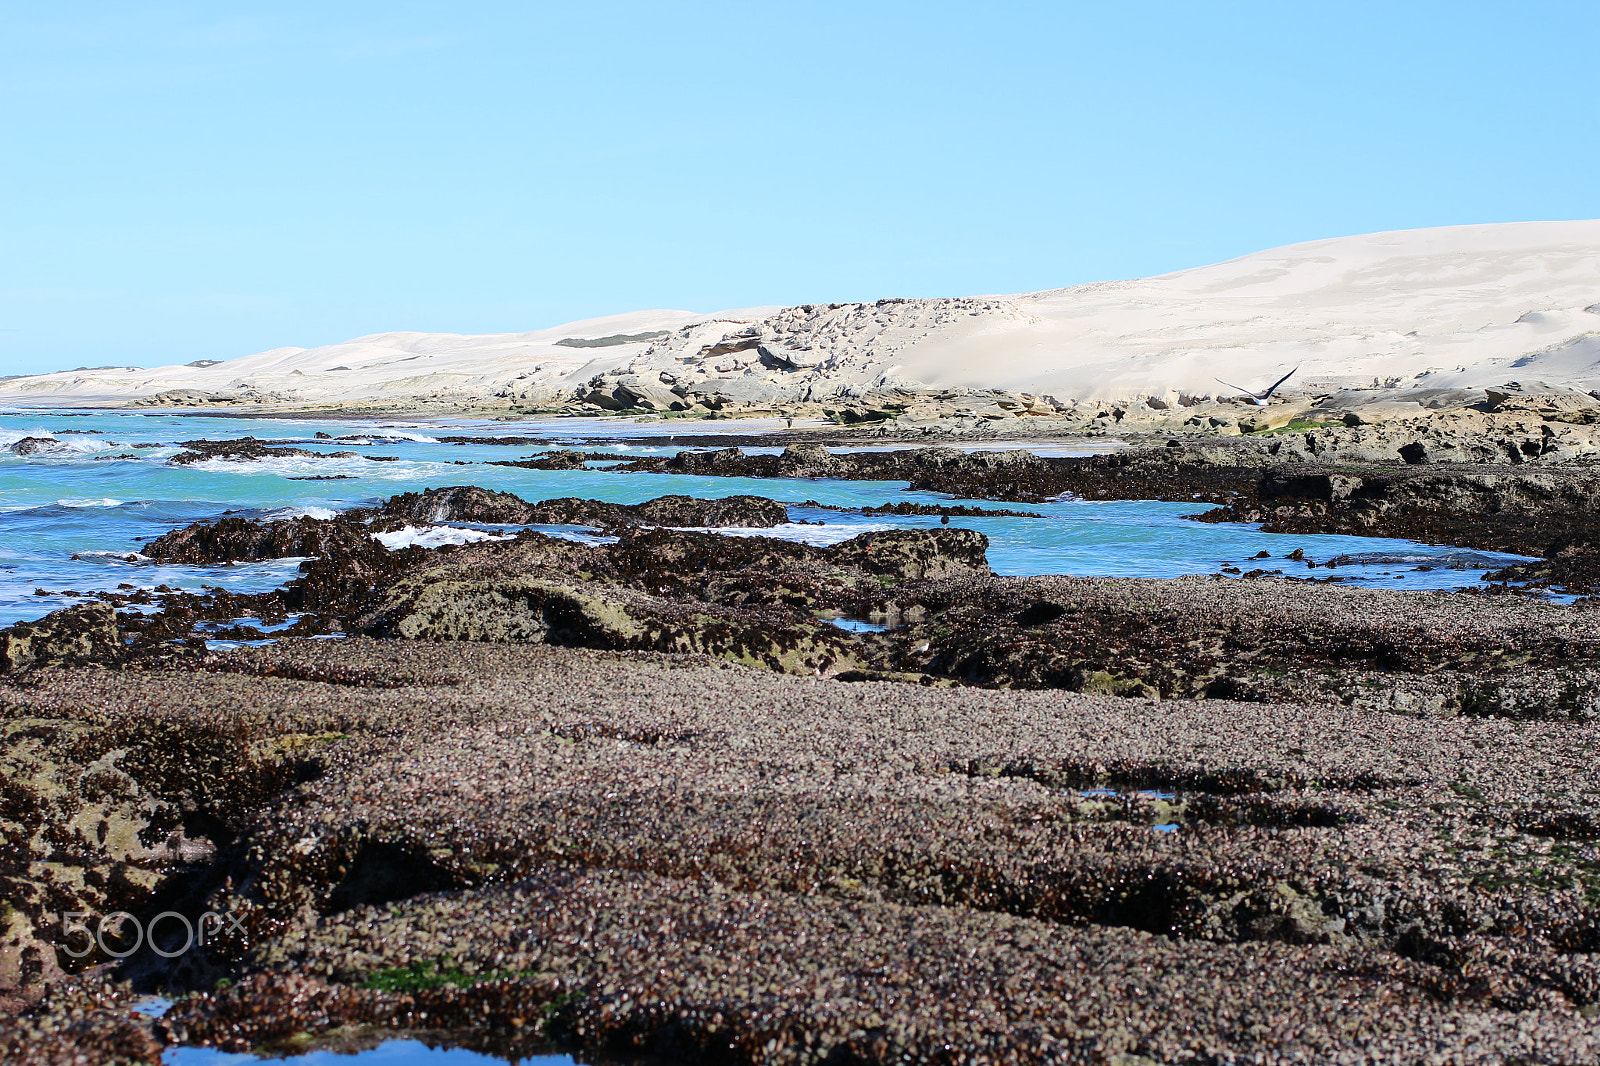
1260,399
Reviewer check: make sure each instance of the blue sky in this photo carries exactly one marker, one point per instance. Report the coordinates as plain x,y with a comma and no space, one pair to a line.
203,180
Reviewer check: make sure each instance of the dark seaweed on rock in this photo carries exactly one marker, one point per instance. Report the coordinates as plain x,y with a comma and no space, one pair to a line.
235,539
557,459
760,600
1523,511
943,510
86,633
246,449
1158,473
1571,564
1492,507
469,503
493,441
746,599
231,539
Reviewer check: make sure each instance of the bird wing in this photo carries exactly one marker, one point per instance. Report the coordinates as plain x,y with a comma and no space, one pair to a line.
1268,394
1236,388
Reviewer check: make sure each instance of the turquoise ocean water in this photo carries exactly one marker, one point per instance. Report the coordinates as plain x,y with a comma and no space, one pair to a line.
73,517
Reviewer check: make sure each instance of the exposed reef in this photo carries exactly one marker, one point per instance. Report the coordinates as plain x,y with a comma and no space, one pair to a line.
948,620
1531,511
1551,509
634,853
1261,640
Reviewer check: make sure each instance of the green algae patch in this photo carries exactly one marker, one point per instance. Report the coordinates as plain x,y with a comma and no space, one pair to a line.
425,974
418,977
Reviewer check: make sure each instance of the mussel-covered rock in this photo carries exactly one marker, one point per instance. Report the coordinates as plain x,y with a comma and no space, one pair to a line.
469,503
234,539
243,449
477,604
86,633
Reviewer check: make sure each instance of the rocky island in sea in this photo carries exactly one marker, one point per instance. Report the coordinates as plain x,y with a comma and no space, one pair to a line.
743,744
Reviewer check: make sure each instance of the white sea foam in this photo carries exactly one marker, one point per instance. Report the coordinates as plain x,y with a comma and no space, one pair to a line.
581,534
434,537
817,536
59,447
75,502
402,470
413,438
285,514
114,557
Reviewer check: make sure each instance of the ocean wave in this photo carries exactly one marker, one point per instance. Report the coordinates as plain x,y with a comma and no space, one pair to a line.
60,447
581,534
401,470
434,537
388,438
400,431
285,514
77,502
114,557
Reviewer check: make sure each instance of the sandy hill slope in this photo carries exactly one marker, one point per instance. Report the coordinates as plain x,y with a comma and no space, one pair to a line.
1460,306
380,368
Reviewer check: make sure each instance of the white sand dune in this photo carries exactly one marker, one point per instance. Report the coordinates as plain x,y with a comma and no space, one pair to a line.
381,367
1461,306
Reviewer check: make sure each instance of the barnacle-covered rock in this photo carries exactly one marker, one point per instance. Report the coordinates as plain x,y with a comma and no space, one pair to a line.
476,603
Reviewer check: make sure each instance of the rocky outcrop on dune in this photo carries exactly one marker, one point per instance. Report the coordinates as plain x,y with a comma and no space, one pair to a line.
1415,313
801,354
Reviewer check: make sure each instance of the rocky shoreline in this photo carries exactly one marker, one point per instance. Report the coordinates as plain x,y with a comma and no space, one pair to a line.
1541,509
641,795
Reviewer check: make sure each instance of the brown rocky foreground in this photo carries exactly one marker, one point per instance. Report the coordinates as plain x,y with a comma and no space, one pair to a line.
643,798
638,853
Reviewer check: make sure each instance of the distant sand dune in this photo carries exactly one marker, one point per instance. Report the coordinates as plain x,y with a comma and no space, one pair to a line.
1461,306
